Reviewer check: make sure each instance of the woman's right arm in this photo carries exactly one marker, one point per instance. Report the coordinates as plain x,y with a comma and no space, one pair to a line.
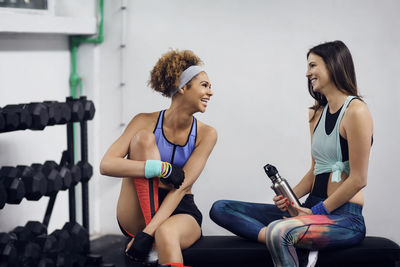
114,162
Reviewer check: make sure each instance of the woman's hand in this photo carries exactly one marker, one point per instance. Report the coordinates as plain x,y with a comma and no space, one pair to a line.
281,202
176,177
302,211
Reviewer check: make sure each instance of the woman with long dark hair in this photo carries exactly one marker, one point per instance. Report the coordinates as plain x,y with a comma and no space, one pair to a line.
341,129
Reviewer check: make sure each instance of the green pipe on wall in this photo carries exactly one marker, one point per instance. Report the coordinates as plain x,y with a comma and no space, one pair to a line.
75,41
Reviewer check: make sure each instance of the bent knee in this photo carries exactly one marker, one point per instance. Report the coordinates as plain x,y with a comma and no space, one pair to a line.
143,139
166,235
218,210
276,233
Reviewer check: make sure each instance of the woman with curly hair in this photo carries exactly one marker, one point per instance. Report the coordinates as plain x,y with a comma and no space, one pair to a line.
170,146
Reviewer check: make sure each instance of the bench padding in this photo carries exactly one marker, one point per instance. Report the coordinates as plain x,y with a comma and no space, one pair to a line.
235,251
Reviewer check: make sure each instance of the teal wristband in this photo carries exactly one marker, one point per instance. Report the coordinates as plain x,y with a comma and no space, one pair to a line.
152,168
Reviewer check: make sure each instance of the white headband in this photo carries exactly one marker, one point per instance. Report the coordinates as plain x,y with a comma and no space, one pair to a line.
186,76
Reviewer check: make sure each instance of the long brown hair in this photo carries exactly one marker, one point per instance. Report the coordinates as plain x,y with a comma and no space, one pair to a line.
340,65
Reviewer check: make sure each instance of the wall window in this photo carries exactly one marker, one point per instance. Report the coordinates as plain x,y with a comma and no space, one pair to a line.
27,4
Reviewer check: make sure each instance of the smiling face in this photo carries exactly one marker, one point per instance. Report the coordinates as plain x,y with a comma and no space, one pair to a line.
199,92
318,73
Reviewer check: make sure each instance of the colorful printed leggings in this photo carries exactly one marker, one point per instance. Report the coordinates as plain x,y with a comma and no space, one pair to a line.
344,227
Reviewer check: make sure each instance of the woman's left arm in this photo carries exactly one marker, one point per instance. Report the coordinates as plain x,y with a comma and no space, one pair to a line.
358,128
207,137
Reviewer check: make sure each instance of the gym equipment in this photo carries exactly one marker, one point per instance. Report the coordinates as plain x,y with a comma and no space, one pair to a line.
88,107
28,251
3,194
30,245
234,251
86,170
65,113
79,236
8,252
35,182
36,116
54,180
66,177
76,174
64,173
13,184
2,120
24,119
77,110
54,110
10,121
46,262
40,115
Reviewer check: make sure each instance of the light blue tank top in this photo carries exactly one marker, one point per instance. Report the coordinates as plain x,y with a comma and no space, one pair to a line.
172,153
326,148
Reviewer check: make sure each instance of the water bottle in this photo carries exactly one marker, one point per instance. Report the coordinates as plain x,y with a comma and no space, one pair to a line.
282,187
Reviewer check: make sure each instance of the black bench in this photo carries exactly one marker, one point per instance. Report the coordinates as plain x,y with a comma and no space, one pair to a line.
233,251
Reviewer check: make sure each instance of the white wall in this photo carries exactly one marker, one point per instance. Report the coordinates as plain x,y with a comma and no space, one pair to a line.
255,54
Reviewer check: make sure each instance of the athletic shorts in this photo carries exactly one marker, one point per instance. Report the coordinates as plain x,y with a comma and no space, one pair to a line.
186,206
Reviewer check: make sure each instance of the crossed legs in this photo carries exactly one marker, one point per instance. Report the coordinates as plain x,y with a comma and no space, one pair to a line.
313,232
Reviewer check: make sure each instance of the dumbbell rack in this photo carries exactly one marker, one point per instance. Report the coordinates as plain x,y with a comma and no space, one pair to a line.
81,115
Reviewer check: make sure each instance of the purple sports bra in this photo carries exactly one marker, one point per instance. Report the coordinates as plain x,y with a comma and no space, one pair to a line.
173,153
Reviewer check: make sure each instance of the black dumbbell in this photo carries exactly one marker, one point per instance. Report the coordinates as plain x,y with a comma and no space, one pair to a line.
76,174
54,180
88,107
74,169
80,237
86,170
8,252
64,172
35,182
2,120
54,110
28,232
67,247
77,111
65,260
66,177
64,240
24,118
9,121
46,262
40,115
36,228
48,245
15,188
3,194
29,255
29,252
65,113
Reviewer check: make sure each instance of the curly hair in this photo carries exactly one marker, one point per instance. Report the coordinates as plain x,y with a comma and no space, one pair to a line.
164,77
